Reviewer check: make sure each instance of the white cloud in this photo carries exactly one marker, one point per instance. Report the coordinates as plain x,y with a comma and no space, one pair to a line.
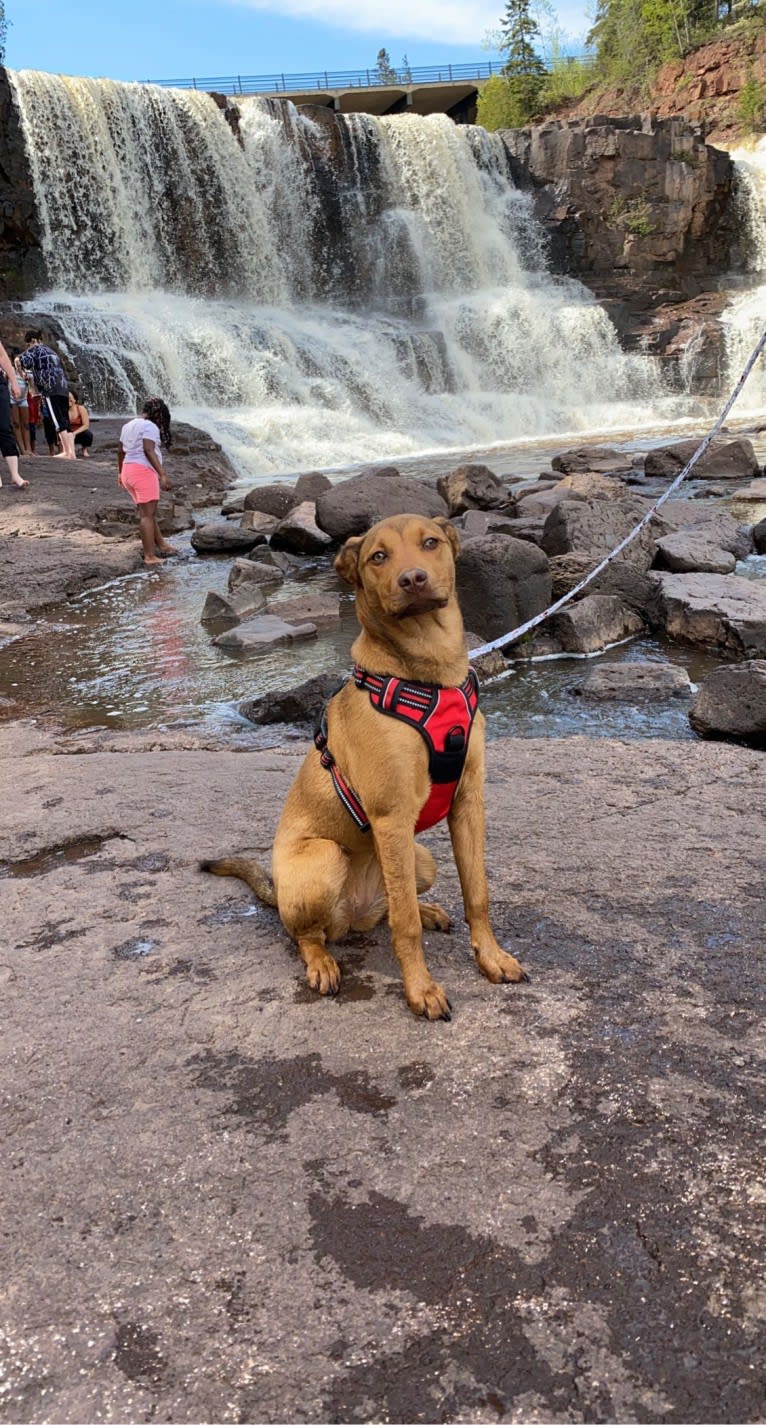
450,22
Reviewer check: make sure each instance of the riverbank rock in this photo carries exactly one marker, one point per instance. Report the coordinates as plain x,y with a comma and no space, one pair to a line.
479,522
223,537
755,492
264,631
593,623
689,550
725,612
588,485
246,601
717,527
311,485
299,533
313,606
595,527
628,682
759,537
472,487
276,499
501,582
259,522
598,459
254,572
352,506
732,704
302,704
724,459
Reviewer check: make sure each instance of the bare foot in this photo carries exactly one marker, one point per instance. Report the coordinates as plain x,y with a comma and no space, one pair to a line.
152,560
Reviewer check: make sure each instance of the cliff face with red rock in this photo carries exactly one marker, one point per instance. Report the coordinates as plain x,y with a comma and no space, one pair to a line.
703,88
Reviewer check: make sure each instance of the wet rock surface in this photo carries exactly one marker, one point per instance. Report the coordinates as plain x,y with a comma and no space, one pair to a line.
732,704
225,1198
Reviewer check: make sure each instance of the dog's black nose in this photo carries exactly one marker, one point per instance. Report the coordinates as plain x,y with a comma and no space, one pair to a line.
413,579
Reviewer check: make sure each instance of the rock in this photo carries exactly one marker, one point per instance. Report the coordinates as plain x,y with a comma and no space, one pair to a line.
311,485
529,528
353,505
732,704
298,532
304,703
541,502
719,611
634,683
724,459
312,607
567,570
222,537
717,527
759,537
595,527
234,503
593,623
259,523
253,572
501,582
755,491
689,550
277,499
487,665
540,645
599,459
711,491
587,485
242,604
633,585
264,631
471,487
276,559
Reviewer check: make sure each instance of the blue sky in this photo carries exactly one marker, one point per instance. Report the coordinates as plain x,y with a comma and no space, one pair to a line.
167,39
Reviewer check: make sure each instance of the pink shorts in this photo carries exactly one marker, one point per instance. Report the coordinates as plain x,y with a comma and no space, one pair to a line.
141,482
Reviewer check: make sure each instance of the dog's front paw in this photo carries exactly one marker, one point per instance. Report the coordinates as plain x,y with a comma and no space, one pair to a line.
429,1000
498,966
323,974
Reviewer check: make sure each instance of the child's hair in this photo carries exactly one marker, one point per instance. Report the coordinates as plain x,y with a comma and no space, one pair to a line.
156,410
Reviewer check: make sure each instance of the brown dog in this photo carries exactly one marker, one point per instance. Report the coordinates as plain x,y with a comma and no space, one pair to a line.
328,875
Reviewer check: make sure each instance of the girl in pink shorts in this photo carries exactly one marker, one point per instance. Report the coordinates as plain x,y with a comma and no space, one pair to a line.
141,473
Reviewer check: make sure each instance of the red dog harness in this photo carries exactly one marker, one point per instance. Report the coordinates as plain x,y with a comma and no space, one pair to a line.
443,717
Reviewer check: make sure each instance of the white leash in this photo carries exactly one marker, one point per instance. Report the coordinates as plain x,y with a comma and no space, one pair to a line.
531,623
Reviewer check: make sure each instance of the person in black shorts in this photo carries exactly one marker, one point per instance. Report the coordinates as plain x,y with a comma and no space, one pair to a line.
45,369
8,447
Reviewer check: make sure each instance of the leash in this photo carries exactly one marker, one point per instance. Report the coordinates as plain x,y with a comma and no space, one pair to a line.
531,623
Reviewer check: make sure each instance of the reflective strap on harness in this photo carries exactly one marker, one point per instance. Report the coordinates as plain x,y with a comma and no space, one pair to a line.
346,793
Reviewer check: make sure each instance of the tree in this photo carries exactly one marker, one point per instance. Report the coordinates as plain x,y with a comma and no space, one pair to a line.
3,32
384,70
406,72
524,69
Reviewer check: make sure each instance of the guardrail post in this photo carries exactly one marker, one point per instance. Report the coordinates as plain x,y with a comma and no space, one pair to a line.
284,86
450,71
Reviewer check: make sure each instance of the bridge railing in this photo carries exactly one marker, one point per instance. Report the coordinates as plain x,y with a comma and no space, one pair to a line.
337,79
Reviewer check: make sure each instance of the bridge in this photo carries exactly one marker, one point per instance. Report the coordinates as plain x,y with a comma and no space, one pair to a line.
435,89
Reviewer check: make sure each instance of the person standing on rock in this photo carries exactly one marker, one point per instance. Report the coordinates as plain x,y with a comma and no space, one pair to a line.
141,473
45,369
9,386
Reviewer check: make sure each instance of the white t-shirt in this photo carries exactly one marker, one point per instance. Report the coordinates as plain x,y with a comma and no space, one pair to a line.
132,437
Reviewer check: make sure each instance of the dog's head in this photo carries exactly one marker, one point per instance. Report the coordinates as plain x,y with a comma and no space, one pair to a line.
404,566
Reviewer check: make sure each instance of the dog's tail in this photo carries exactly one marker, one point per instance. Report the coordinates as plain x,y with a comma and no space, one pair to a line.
247,870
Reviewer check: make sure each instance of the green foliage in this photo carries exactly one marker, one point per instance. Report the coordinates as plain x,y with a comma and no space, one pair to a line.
519,32
567,78
752,104
633,215
384,70
505,103
632,38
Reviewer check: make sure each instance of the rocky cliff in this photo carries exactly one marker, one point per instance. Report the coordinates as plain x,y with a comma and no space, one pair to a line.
645,213
21,267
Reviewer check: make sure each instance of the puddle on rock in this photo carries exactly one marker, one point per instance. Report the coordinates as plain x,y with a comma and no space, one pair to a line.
50,857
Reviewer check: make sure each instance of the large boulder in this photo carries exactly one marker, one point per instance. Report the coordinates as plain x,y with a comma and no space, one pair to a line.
595,527
589,485
714,525
501,582
594,623
276,499
252,572
597,458
298,532
639,682
304,703
311,485
718,611
263,631
223,537
353,505
724,459
472,487
732,704
690,550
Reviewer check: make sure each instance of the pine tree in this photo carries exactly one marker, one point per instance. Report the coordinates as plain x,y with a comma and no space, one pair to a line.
384,70
523,69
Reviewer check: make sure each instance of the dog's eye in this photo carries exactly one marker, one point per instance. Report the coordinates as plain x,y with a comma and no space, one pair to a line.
379,557
431,542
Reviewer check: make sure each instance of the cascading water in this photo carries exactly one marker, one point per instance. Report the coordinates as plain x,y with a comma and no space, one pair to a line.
316,290
745,319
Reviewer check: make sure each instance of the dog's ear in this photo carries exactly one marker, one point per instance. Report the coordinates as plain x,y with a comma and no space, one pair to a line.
347,562
451,533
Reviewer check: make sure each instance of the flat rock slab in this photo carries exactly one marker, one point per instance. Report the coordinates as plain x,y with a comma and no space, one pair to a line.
593,623
227,1199
224,537
732,703
642,682
263,631
720,611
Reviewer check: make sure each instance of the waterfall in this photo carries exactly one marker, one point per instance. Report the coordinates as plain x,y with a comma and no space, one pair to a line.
745,319
316,290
